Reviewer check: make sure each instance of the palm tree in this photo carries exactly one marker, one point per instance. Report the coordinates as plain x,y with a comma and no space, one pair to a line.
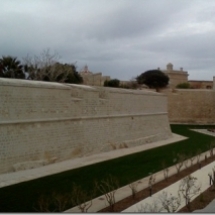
10,67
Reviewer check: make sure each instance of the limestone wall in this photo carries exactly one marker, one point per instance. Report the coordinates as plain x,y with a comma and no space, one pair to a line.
41,122
94,79
196,84
176,77
191,106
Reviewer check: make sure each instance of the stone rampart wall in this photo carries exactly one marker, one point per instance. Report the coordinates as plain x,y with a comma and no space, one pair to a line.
42,123
191,106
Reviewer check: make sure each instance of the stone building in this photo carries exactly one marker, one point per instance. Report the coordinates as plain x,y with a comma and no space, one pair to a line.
93,79
175,76
179,76
196,84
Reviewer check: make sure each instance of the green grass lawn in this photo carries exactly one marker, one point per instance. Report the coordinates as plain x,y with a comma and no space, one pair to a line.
23,197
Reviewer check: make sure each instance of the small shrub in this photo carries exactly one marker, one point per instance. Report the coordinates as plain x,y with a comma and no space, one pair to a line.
151,182
108,187
198,157
192,160
201,197
54,202
80,197
133,187
211,148
186,161
183,86
169,202
188,189
150,208
112,83
165,171
180,162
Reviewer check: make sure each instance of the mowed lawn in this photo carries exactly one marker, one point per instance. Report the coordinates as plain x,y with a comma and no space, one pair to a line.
23,197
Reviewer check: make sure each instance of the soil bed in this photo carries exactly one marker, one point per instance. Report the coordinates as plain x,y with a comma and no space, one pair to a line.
208,195
201,201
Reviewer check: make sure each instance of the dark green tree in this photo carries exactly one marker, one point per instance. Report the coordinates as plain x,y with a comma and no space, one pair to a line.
112,83
46,67
74,77
153,79
64,73
10,67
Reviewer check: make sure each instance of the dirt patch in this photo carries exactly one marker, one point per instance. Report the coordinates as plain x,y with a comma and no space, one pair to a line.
201,201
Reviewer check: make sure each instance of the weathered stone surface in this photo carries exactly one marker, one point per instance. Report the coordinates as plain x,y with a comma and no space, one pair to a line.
28,165
52,122
191,106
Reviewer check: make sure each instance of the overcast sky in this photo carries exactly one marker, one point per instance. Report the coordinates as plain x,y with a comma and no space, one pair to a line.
120,38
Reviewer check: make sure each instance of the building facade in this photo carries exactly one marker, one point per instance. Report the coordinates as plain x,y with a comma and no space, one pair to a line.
175,76
93,79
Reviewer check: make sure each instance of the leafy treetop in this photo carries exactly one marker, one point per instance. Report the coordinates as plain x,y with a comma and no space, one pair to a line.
11,67
112,83
153,79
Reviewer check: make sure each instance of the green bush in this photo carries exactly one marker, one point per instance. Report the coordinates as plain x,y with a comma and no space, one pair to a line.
183,86
112,83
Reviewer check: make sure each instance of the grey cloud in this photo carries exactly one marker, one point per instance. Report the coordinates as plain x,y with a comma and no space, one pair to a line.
118,38
136,18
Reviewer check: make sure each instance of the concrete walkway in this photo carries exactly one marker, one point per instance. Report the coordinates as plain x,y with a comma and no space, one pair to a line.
26,175
203,179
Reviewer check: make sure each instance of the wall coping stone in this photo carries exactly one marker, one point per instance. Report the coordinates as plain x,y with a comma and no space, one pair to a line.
79,118
32,84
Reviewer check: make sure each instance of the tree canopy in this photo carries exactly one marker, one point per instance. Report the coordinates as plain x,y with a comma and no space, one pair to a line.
64,73
153,79
10,67
42,68
46,67
112,83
